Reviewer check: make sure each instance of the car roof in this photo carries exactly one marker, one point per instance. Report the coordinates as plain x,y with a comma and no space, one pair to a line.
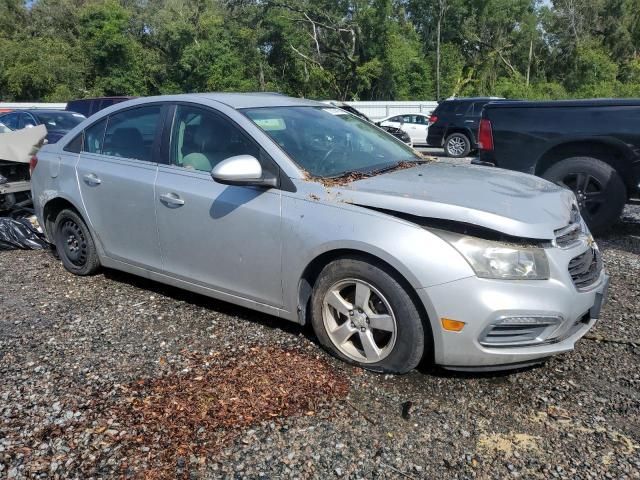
112,97
472,99
422,114
233,100
596,102
39,110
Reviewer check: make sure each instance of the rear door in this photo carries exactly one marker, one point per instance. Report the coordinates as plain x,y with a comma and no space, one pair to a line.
223,237
419,128
472,119
116,173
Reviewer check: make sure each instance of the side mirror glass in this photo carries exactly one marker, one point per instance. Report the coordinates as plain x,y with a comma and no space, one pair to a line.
241,170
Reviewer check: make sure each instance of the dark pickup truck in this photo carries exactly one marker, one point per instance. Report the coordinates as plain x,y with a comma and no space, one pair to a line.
589,146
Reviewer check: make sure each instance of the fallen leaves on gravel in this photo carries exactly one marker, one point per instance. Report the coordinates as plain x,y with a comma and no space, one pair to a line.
166,427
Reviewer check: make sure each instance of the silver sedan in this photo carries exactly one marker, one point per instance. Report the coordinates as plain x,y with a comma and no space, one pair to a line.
303,211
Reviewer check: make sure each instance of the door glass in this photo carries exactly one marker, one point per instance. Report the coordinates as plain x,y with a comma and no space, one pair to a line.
130,134
28,121
406,118
201,139
10,120
93,137
477,108
420,120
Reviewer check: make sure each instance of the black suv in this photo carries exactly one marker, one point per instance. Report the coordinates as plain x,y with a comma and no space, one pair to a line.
454,125
89,106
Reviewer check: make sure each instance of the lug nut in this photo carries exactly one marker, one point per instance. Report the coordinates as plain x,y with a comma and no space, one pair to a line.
362,329
353,324
351,312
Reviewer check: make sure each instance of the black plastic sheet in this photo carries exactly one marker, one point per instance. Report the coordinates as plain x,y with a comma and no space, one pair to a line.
20,234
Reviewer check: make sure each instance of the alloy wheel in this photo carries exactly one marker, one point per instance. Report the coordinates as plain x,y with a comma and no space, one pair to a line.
359,321
588,190
456,146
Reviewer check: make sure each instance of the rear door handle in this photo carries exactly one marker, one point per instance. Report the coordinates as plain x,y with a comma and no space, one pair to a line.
91,179
171,200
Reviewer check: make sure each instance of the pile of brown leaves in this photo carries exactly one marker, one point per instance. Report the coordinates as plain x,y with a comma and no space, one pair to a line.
180,416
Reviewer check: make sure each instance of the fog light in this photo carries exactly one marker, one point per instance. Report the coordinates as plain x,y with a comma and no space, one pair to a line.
452,325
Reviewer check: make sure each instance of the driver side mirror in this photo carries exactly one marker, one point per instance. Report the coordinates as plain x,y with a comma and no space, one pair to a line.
242,170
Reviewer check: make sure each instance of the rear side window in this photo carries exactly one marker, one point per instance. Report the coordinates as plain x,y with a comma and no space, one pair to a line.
445,108
94,136
463,108
477,108
130,134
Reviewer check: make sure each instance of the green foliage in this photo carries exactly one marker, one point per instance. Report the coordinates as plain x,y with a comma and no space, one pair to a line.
57,50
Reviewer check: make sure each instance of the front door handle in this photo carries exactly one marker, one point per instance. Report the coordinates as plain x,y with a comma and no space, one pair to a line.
171,200
91,179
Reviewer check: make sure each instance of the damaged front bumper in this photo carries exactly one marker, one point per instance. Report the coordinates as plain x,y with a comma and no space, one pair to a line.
543,318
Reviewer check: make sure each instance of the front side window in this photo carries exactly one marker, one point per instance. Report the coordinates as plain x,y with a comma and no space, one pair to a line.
131,134
421,120
94,136
201,139
28,121
75,145
328,142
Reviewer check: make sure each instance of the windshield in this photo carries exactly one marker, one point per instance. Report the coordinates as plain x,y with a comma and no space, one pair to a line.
60,120
328,142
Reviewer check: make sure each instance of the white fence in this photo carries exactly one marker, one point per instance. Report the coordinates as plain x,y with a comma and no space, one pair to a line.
30,105
378,110
373,110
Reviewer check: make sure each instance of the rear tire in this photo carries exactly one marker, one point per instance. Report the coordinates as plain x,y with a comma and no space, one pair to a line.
457,145
376,324
74,244
600,191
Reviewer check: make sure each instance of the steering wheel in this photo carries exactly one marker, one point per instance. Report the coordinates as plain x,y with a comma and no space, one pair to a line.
326,166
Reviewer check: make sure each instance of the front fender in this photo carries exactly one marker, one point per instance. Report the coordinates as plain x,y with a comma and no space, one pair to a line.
313,228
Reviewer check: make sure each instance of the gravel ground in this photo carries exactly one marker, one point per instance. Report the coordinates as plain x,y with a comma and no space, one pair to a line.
71,348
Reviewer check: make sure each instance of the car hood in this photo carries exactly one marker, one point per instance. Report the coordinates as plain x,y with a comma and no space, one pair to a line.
513,203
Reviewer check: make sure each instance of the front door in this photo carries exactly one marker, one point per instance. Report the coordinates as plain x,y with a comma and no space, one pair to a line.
116,173
220,236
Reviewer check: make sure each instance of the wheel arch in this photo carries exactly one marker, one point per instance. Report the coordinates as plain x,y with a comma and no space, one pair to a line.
610,152
312,271
463,130
52,208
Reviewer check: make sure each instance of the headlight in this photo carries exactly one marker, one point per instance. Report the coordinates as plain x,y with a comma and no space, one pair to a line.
499,260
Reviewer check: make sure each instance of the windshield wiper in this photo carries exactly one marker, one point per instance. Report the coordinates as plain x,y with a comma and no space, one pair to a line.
397,165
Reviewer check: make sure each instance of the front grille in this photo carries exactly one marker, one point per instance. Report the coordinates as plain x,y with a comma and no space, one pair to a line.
585,269
568,236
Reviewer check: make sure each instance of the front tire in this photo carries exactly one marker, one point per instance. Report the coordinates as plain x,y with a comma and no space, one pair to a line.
363,315
74,244
457,145
600,191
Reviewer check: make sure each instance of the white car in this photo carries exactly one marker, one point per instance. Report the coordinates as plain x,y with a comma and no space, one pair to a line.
415,124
